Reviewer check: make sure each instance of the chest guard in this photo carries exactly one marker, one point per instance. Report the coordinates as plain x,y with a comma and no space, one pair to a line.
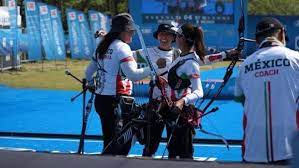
174,81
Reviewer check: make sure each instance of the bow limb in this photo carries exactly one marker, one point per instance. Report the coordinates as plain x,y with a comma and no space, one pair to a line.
229,69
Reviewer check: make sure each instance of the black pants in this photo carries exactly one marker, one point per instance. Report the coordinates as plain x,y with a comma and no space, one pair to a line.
105,106
155,128
181,143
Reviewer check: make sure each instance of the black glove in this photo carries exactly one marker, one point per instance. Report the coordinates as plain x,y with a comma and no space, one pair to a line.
233,53
173,113
91,88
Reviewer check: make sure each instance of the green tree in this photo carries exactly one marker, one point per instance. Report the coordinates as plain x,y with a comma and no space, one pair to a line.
273,7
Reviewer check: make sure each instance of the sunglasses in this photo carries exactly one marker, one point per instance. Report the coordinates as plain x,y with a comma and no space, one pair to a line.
179,35
131,32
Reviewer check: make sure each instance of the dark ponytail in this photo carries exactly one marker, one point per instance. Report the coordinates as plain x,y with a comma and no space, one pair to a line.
105,43
194,38
199,45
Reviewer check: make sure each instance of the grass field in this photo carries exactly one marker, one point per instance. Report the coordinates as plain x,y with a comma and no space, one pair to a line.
51,74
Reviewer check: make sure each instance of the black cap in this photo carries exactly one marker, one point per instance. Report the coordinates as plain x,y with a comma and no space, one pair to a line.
268,24
122,22
168,28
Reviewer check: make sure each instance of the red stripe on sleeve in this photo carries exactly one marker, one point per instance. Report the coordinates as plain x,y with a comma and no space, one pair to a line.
127,59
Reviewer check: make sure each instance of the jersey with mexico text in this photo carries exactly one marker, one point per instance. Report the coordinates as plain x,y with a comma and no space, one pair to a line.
269,80
110,79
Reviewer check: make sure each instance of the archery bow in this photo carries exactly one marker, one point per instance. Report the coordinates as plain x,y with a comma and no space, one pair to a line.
228,73
229,69
153,80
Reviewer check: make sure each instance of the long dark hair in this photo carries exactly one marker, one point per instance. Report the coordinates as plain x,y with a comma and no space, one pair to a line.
194,38
199,43
105,43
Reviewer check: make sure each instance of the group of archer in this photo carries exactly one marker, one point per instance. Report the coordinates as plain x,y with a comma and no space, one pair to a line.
173,93
269,119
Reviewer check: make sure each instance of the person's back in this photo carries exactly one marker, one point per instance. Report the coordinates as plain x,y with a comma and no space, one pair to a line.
269,80
110,82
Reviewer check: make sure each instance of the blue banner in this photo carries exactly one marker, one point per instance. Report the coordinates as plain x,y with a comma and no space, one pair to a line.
87,44
74,38
291,24
5,37
98,21
33,30
13,18
46,31
58,33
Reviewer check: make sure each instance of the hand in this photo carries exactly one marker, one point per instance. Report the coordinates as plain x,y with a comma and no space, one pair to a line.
91,88
161,81
100,33
233,53
161,63
180,104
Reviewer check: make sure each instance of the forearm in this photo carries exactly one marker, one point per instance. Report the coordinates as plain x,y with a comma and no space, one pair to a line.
132,72
213,58
196,94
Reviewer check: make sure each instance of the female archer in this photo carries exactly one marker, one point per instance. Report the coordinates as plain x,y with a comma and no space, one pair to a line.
186,87
115,67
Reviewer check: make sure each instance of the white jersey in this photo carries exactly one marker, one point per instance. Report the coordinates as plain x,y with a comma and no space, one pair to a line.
111,71
170,55
155,55
191,70
269,80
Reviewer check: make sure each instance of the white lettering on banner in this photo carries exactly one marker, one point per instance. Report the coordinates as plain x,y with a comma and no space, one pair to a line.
80,17
11,4
53,13
4,21
75,38
85,40
72,15
56,36
4,42
7,58
4,16
94,17
31,6
43,10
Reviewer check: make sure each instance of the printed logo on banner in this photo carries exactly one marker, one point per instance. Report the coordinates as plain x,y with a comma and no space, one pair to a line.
53,13
11,4
80,17
72,15
94,17
31,6
43,10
